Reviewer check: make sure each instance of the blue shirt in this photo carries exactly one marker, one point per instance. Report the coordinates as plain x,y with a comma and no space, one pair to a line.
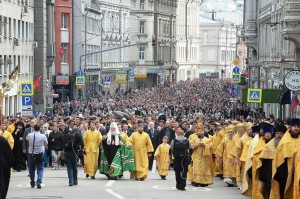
40,141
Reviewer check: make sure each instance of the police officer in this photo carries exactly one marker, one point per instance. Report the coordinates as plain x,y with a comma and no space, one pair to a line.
181,148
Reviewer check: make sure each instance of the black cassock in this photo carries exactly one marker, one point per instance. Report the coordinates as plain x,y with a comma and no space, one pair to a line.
110,150
19,157
265,175
6,161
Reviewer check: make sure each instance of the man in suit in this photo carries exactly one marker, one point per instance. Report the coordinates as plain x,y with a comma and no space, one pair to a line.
167,131
27,131
155,139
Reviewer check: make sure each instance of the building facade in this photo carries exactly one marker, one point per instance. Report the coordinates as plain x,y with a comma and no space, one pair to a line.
220,23
271,34
62,70
106,28
188,39
152,26
16,48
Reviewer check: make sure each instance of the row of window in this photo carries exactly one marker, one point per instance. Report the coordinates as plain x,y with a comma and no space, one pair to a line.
22,2
109,56
230,56
25,63
10,27
11,105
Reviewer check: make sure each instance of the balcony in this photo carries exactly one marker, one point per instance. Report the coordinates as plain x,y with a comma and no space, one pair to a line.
291,21
64,35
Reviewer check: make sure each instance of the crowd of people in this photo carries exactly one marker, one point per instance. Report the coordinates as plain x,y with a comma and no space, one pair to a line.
185,125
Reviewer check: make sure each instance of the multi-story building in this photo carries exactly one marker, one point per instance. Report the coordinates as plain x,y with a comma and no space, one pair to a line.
271,33
16,48
219,25
99,25
188,39
152,26
62,70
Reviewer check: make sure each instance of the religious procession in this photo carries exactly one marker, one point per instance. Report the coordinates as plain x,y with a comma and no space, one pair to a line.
190,133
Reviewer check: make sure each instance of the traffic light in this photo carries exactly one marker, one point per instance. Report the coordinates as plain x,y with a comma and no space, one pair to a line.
243,80
153,40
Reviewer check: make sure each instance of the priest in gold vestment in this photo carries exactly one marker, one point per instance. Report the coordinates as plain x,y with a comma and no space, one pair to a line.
223,152
202,161
142,148
266,161
250,183
284,172
92,139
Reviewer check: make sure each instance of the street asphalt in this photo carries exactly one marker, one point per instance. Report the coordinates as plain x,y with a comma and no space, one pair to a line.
55,185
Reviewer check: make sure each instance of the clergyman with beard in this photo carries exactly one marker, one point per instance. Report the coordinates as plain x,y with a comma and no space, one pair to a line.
284,173
115,156
267,160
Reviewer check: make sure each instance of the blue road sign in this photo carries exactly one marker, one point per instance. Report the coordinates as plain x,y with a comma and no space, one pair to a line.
235,90
236,70
26,89
80,81
131,74
26,100
107,79
80,73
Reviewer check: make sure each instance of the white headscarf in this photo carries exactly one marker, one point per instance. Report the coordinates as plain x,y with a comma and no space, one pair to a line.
116,133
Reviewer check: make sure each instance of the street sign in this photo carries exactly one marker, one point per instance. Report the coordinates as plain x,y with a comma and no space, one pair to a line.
26,89
189,72
236,61
121,78
80,81
236,78
254,95
80,73
292,80
131,74
26,100
235,90
27,112
233,100
107,79
236,70
208,74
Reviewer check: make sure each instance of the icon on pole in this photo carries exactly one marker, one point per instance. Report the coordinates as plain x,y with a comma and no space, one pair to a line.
80,81
254,95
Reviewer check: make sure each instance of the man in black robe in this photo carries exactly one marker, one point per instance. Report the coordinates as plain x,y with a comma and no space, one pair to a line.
267,160
110,146
6,161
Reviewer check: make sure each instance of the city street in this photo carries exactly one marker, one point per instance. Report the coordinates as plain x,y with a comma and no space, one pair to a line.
55,185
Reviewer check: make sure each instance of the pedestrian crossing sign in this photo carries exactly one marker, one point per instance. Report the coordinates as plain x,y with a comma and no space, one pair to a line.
236,78
26,89
254,95
80,81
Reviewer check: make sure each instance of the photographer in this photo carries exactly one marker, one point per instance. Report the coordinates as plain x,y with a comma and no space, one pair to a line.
180,147
72,145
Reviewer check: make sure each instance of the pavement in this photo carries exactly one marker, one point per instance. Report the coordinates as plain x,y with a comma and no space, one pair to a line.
55,185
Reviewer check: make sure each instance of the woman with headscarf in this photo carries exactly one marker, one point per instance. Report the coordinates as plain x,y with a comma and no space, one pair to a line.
19,159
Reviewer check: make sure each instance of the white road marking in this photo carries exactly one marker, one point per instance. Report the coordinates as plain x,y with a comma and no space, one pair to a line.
171,187
28,185
111,192
110,183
